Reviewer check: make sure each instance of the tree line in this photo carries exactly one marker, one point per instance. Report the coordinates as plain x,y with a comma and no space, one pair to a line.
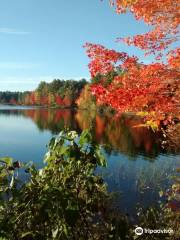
56,93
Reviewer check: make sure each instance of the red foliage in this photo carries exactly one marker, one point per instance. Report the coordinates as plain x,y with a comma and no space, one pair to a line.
103,60
140,87
59,100
163,15
44,100
32,98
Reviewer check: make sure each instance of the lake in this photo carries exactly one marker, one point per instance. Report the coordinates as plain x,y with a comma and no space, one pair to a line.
138,168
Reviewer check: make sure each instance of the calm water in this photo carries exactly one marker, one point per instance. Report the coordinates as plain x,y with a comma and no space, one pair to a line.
137,166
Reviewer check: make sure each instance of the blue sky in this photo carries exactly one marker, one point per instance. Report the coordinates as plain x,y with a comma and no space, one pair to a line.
43,39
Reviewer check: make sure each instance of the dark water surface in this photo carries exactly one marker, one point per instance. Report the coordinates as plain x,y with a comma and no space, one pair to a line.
137,166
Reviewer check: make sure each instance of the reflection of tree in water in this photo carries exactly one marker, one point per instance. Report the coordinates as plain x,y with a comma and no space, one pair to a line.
52,119
121,134
115,134
47,119
10,112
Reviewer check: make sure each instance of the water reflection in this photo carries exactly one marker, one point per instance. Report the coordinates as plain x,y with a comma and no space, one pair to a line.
122,134
45,119
26,131
115,134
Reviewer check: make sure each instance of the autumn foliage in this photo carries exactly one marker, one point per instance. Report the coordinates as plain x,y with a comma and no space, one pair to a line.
54,94
162,15
153,88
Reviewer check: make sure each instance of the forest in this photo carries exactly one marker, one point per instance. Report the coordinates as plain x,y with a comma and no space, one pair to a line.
56,93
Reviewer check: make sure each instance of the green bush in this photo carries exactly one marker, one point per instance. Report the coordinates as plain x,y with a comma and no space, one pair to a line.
64,200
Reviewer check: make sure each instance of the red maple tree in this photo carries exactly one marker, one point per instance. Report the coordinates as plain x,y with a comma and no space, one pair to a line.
135,86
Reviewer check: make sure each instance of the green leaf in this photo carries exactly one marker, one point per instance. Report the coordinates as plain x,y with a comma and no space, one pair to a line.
85,137
6,160
100,158
27,234
55,232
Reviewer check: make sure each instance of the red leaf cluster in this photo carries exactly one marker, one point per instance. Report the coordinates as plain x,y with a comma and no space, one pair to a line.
139,87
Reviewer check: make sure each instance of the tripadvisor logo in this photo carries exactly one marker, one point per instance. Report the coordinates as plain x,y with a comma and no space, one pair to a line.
138,231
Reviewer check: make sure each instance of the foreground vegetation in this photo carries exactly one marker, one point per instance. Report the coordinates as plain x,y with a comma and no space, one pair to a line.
67,200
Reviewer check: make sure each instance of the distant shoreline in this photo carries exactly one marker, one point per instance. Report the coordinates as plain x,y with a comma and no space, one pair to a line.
38,106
